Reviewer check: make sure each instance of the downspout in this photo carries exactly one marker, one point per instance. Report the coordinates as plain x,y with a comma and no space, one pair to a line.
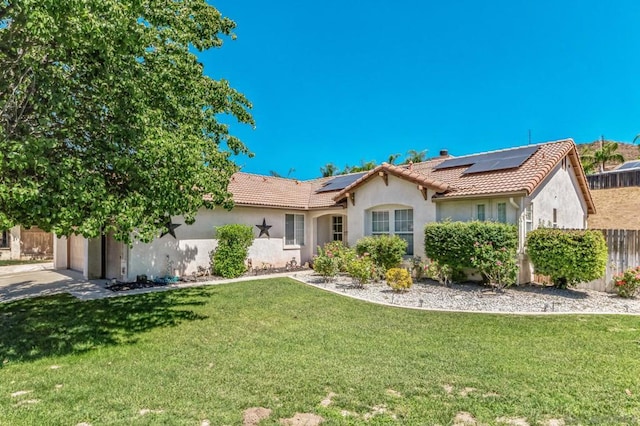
520,224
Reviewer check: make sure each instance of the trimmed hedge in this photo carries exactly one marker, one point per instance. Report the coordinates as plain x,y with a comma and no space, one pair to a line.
452,243
568,256
386,251
232,251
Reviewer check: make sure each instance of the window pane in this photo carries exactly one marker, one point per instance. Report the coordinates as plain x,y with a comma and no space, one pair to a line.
502,212
336,228
300,229
404,220
380,222
289,229
480,212
409,239
4,239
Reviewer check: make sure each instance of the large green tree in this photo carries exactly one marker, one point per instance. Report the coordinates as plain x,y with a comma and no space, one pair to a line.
107,123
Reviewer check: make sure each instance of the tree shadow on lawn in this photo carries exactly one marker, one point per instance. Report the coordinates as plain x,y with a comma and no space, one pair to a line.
61,324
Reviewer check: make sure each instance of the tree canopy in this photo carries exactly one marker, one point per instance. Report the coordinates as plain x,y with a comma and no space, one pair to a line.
107,122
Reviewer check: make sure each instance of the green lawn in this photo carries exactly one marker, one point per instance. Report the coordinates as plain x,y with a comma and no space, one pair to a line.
211,352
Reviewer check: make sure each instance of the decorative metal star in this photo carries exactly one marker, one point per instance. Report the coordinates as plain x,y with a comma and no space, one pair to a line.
170,228
264,228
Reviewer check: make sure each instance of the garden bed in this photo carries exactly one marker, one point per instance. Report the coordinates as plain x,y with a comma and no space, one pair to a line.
145,283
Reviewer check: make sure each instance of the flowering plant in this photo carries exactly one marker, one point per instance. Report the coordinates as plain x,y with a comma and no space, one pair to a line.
362,270
326,264
497,264
627,283
438,271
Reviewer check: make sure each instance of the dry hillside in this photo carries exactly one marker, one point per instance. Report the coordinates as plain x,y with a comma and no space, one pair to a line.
629,151
617,208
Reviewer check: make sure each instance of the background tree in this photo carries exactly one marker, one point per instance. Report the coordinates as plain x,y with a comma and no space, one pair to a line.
106,119
276,174
329,169
392,158
414,156
593,160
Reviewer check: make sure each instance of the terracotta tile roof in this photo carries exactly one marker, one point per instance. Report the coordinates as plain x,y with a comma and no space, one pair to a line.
525,179
450,183
257,190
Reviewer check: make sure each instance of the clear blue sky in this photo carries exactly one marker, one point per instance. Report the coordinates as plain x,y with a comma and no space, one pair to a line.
345,81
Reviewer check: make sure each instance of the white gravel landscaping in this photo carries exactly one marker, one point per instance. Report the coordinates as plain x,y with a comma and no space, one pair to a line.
472,297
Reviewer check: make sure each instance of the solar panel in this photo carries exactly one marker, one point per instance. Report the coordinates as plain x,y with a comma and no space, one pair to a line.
490,161
340,182
629,165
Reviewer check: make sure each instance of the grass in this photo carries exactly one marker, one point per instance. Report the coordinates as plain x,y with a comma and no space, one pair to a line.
212,352
11,262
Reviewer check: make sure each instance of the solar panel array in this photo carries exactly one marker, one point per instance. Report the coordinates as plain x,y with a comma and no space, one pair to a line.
629,165
491,161
340,182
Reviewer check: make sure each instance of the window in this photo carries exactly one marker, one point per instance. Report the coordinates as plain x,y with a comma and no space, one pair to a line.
294,229
380,223
336,228
502,212
480,212
528,218
5,240
403,227
555,218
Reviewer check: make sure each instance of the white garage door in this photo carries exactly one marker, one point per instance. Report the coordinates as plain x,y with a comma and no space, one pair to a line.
76,253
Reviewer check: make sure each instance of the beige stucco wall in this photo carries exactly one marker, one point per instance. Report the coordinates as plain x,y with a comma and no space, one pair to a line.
193,243
399,194
465,210
560,191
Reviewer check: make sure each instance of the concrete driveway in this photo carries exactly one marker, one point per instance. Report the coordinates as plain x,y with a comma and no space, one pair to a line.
16,283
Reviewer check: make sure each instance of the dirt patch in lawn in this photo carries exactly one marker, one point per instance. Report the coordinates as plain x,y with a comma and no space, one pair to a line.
302,419
254,415
464,419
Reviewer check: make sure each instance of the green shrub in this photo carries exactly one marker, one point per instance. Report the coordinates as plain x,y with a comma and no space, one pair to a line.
326,263
362,269
233,247
490,247
442,273
341,253
497,265
399,279
386,251
627,283
567,256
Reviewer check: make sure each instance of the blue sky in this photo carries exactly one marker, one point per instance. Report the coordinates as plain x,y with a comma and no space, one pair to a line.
346,81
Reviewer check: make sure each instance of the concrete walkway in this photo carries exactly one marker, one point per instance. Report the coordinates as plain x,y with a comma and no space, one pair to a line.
46,282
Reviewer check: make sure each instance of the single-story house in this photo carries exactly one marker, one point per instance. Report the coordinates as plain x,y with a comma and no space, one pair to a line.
25,243
533,185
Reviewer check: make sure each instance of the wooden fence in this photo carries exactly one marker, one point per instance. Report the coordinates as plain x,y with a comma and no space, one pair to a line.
624,252
36,243
621,179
